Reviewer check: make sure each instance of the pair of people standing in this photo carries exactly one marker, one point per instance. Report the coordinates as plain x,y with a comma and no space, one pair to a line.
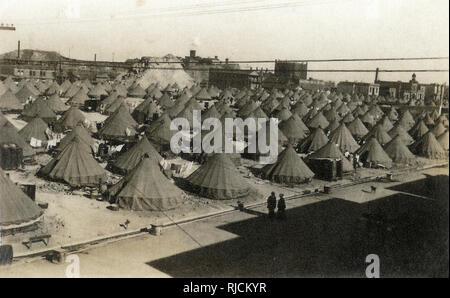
272,205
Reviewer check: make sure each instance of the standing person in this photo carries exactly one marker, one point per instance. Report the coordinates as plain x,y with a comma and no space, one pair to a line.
281,207
272,204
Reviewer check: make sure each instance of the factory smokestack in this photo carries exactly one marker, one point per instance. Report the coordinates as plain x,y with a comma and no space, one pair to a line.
18,49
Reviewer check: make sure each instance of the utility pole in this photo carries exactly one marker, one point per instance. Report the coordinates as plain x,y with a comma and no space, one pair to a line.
7,27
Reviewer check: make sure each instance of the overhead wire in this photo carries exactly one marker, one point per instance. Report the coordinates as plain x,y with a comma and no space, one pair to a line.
233,7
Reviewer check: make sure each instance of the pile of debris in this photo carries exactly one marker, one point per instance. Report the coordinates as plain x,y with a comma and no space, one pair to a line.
165,73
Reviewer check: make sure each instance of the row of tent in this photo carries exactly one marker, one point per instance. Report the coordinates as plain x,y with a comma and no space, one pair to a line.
323,125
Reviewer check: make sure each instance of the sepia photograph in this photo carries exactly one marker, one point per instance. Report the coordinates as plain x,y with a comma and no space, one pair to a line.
206,142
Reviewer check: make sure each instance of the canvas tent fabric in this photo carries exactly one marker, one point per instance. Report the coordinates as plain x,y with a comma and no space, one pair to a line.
428,120
65,86
147,189
398,152
3,88
111,108
318,120
25,93
418,130
314,141
163,118
258,113
291,129
119,126
166,102
145,111
154,93
300,123
289,168
247,109
333,125
97,92
79,99
443,140
131,158
344,139
10,135
368,119
270,104
176,109
441,119
398,130
212,112
429,147
438,129
9,102
332,115
187,113
9,82
38,109
54,88
72,90
75,166
203,95
137,91
300,109
407,120
81,132
219,179
16,208
380,134
283,114
372,152
69,119
393,114
36,128
357,128
386,123
161,134
331,150
56,104
110,99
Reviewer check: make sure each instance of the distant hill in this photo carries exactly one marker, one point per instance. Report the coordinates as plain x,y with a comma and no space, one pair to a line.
35,55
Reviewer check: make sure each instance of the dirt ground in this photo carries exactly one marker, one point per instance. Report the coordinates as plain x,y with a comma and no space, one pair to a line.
74,217
319,238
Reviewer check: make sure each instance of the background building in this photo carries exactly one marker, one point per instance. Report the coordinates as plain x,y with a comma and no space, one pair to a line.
314,85
436,93
403,90
49,65
363,88
199,68
235,78
291,71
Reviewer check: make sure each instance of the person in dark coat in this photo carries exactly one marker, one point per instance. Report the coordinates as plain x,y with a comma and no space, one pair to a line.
281,207
272,204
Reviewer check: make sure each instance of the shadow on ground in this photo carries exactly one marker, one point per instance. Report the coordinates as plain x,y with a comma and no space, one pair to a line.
331,238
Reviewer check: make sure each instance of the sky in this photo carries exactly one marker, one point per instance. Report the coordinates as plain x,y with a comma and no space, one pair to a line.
240,30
